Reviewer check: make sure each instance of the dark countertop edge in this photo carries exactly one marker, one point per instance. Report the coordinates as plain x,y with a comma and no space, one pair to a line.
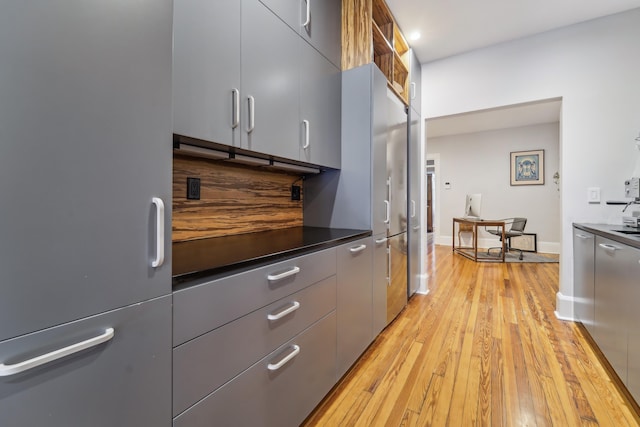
194,278
608,231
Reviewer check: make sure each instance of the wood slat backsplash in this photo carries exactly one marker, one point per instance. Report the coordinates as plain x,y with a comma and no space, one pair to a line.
234,199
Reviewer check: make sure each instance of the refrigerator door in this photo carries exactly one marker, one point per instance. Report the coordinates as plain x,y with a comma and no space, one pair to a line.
397,164
397,290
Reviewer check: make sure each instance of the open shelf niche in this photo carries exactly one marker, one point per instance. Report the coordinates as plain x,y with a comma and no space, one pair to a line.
371,34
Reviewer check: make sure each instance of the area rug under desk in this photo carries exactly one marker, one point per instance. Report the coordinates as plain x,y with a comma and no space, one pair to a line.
530,257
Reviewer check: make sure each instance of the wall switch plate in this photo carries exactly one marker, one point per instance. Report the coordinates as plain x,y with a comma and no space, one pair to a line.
193,188
593,194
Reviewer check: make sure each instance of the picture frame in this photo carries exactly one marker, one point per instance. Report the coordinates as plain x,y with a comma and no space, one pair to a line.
528,242
527,167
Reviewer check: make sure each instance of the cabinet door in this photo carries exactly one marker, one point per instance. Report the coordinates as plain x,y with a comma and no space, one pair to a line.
324,27
124,381
631,273
415,94
612,291
206,70
270,85
415,204
354,306
583,277
320,106
380,282
86,145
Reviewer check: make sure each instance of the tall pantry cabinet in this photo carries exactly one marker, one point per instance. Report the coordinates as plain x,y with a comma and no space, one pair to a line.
85,172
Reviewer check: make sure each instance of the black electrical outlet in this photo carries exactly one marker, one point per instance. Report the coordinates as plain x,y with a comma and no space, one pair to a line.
193,188
295,192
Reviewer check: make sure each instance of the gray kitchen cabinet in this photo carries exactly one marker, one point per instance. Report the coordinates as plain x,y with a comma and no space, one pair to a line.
279,390
415,94
632,272
320,97
415,206
85,179
206,70
354,308
228,330
584,277
237,81
203,364
380,282
86,147
123,381
614,282
269,93
319,22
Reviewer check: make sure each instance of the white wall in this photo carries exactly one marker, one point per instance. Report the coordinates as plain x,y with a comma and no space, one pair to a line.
480,163
595,68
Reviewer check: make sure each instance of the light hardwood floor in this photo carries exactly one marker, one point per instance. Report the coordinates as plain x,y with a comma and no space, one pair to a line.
482,348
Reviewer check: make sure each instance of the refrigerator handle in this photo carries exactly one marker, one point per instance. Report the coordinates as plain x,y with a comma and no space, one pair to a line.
387,212
308,15
413,208
389,266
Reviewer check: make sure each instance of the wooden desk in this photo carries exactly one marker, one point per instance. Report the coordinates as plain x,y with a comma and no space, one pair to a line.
471,225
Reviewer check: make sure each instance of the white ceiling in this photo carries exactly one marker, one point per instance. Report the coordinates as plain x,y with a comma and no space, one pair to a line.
531,113
450,27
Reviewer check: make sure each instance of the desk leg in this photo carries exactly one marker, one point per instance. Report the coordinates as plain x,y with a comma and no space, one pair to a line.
453,237
504,247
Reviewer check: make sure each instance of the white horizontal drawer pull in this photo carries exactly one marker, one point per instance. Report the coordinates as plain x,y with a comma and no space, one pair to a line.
284,360
583,236
291,272
608,247
381,241
294,306
6,370
357,249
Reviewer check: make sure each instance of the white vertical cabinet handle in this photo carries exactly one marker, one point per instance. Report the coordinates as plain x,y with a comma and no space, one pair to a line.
306,134
235,108
413,90
284,360
159,232
356,249
308,19
413,208
294,306
7,370
292,271
387,213
251,102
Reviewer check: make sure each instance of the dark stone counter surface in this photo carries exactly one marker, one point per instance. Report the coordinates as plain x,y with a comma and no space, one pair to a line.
618,233
220,256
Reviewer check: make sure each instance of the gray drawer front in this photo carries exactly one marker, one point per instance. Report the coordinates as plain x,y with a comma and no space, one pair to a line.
202,308
202,365
125,381
260,397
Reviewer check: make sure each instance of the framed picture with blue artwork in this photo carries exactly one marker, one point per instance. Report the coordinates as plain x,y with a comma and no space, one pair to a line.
527,167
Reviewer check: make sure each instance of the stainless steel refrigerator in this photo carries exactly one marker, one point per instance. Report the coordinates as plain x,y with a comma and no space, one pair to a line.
396,204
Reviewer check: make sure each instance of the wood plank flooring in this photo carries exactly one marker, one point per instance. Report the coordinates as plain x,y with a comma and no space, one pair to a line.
482,348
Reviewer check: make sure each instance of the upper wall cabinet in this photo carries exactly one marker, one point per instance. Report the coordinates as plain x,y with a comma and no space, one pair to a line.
243,80
317,21
371,34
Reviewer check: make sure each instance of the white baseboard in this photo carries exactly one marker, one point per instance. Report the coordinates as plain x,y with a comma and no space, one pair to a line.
564,307
543,247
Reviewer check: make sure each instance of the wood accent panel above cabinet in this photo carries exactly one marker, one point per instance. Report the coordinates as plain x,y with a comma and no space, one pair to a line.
234,199
371,34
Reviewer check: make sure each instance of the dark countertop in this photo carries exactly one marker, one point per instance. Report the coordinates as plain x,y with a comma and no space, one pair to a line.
219,256
610,232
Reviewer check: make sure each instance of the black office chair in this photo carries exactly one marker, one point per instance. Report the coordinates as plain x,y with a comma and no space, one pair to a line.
516,229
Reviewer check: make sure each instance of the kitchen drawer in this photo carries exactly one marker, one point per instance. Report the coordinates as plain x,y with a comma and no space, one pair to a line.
202,308
123,381
266,395
203,364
